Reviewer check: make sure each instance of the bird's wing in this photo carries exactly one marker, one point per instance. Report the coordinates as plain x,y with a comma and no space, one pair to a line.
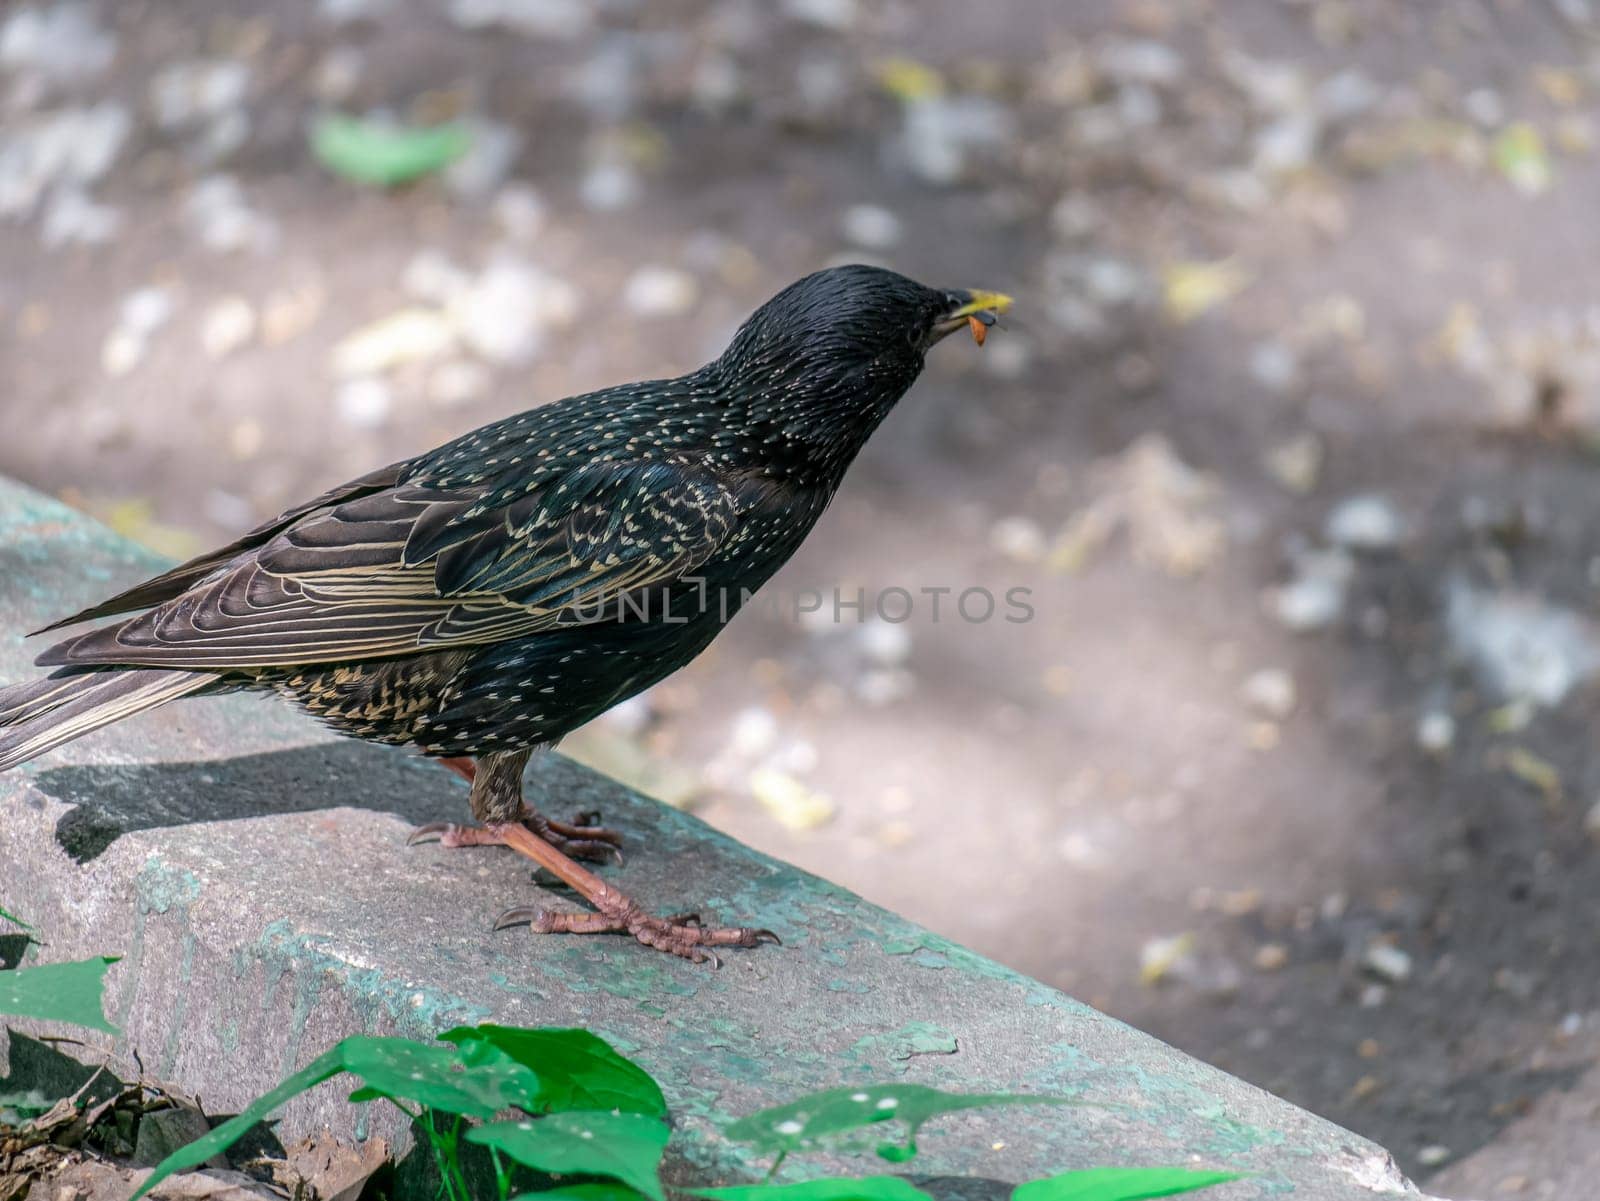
170,583
410,568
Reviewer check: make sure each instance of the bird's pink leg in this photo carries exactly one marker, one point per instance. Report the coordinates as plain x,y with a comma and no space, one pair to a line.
464,766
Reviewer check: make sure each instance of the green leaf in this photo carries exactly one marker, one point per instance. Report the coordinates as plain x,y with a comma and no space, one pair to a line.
799,1125
382,153
623,1146
58,992
324,1067
607,1191
476,1079
576,1069
1118,1184
866,1188
13,919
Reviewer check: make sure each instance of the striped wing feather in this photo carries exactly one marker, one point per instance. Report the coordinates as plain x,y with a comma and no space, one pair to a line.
404,569
171,583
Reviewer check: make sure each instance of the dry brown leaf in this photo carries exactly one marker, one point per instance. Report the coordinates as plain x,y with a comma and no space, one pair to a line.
334,1170
214,1185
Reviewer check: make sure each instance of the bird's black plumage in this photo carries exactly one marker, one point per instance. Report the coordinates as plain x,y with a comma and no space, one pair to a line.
493,594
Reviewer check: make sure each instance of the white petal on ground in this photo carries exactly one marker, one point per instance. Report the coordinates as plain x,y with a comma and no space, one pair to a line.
406,336
886,643
228,326
73,217
871,226
216,211
655,291
1314,597
458,382
1366,522
188,93
1271,692
364,403
520,211
60,41
66,146
837,15
942,132
510,306
1521,647
147,309
433,276
488,160
562,20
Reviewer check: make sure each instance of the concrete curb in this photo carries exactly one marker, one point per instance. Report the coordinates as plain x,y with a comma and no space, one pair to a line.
252,870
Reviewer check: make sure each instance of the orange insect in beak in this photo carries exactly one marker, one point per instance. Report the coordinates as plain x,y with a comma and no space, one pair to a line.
976,310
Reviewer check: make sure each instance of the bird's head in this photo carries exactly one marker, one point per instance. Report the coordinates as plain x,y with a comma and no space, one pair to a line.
830,354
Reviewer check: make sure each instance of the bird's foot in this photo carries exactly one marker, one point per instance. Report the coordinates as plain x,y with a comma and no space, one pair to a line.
616,912
581,838
680,934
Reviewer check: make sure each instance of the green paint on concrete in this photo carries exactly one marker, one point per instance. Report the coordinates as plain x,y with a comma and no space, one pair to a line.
185,989
645,982
412,1008
161,888
131,963
943,952
897,1047
522,988
307,991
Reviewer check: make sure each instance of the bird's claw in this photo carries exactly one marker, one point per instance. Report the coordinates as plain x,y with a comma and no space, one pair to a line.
679,934
518,915
582,838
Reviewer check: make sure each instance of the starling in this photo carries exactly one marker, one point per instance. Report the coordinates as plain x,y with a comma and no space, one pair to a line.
480,601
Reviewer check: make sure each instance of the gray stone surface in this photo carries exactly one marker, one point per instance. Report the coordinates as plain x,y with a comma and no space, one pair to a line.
253,872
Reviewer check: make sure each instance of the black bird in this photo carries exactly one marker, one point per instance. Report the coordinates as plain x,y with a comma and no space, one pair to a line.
480,601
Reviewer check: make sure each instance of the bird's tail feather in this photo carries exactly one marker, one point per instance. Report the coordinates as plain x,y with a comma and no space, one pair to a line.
22,702
41,715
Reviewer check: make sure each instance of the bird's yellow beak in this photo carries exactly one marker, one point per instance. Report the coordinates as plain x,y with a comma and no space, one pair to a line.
978,311
983,302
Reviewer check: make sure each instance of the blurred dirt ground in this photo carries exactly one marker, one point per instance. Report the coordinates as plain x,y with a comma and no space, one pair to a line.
1292,438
